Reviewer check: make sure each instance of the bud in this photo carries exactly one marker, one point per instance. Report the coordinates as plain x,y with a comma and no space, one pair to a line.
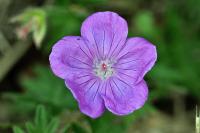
32,20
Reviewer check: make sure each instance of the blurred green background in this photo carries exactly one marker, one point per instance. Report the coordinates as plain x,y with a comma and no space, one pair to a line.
33,100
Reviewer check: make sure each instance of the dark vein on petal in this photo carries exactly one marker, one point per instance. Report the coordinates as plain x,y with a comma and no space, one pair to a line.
83,76
80,61
123,82
103,42
103,85
117,87
113,36
90,87
88,48
120,49
96,91
113,94
125,68
133,53
125,45
82,49
105,88
126,62
96,43
123,55
115,48
77,67
86,81
126,75
86,54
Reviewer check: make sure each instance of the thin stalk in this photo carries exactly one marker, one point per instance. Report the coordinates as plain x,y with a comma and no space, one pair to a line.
197,120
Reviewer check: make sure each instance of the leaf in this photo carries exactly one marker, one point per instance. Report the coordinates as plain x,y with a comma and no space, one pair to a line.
30,128
41,117
44,88
41,123
52,126
17,129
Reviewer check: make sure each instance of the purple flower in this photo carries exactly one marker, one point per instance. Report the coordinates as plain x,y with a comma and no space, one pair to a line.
102,68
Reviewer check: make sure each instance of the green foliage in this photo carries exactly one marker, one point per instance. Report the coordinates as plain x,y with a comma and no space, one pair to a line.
41,124
17,130
174,66
173,27
79,2
144,23
44,122
103,124
43,88
38,90
121,124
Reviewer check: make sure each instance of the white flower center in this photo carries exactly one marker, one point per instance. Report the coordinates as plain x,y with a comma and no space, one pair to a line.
103,69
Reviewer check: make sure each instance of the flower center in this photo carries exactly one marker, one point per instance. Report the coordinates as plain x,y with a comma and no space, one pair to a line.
103,69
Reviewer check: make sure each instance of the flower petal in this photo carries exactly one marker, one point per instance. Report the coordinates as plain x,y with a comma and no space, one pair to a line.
86,91
135,60
71,60
121,98
69,56
106,33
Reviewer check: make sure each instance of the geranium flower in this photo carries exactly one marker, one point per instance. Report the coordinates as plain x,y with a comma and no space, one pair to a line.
102,68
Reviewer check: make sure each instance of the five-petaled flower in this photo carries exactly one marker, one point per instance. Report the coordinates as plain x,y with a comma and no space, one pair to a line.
102,68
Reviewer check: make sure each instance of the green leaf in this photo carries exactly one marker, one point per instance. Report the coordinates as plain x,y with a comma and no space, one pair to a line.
52,126
30,128
41,117
44,88
17,129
